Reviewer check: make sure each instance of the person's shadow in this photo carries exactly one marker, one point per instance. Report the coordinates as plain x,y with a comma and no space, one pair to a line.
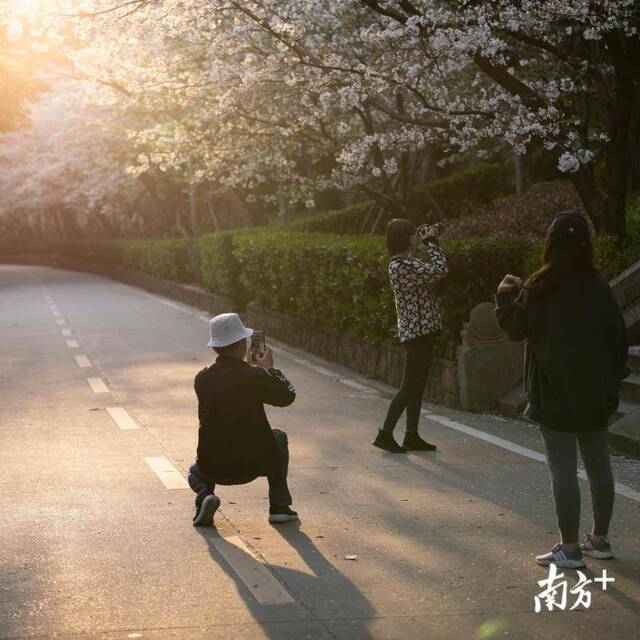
321,598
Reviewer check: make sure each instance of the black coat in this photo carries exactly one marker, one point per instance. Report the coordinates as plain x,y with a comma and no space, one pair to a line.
235,441
576,351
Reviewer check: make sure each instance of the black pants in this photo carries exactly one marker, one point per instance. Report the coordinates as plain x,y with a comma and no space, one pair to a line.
417,364
562,457
278,489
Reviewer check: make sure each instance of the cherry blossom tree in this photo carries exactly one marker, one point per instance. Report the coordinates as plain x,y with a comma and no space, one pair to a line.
375,83
286,99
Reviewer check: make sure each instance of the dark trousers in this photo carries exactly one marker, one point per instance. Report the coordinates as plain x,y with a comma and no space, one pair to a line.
562,457
417,364
278,489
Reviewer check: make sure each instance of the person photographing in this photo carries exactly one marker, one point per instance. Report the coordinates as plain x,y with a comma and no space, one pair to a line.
236,443
413,280
575,361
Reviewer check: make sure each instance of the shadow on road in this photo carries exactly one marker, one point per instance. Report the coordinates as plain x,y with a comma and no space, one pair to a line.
323,595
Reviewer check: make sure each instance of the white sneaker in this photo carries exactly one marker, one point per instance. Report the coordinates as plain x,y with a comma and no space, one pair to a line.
562,558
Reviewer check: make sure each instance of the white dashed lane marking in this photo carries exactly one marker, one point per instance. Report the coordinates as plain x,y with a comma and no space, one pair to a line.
170,477
56,314
262,584
98,385
122,418
65,332
72,344
83,362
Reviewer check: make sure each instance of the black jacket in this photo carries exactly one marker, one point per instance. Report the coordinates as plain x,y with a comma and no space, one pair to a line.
576,351
235,441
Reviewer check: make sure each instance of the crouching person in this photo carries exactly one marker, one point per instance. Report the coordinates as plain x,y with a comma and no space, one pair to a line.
236,444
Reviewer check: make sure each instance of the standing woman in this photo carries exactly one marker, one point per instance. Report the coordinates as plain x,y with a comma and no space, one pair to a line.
575,360
412,281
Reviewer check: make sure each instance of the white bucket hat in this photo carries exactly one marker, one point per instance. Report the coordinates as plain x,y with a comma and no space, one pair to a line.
227,328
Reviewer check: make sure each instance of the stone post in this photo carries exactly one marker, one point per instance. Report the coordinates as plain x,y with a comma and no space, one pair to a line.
489,364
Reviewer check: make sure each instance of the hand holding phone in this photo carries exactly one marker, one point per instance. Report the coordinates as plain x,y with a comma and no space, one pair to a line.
426,231
510,283
265,361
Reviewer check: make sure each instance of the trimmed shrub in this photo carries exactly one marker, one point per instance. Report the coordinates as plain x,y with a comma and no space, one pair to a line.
174,259
462,194
518,215
341,221
457,195
341,281
219,266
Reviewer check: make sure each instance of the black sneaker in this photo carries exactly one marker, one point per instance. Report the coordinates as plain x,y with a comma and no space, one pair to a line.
281,513
600,550
206,511
384,440
413,442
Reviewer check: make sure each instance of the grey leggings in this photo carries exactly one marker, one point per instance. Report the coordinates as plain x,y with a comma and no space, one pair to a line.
562,457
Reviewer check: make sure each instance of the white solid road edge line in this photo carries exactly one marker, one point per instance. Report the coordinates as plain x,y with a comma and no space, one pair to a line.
622,489
83,362
98,385
122,418
170,477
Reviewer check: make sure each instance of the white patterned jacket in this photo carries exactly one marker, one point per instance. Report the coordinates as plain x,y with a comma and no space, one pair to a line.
412,281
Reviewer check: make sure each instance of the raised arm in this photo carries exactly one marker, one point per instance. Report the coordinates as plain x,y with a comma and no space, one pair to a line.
274,388
511,315
417,272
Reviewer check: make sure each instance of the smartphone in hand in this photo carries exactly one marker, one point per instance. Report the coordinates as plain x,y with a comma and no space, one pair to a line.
258,345
429,230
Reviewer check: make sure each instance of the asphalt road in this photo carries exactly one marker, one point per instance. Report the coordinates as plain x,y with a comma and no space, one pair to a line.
96,539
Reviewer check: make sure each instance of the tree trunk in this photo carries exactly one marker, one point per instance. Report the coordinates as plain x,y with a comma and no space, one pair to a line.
193,210
593,202
617,147
518,163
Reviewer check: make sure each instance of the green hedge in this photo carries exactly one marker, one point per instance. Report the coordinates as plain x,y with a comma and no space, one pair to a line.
457,195
174,259
341,221
341,281
338,281
464,193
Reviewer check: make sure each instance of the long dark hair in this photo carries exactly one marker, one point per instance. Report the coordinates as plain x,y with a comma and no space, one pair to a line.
567,250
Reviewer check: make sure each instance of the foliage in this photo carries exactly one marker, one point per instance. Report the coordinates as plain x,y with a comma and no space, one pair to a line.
463,193
341,281
341,221
283,100
175,259
611,255
526,215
